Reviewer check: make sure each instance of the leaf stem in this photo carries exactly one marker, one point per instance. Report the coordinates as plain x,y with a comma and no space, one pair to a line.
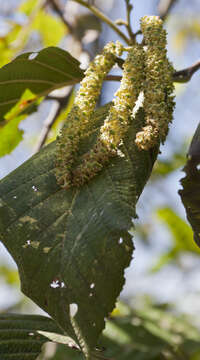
104,18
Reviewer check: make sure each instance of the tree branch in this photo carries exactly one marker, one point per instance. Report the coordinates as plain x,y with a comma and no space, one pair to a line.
59,11
180,76
164,8
185,75
104,18
113,78
57,107
129,8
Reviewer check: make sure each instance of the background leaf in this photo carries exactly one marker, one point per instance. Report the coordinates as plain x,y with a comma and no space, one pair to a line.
19,337
181,238
72,247
10,136
51,28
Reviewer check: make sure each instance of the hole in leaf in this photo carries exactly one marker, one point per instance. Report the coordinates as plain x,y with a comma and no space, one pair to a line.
33,56
73,309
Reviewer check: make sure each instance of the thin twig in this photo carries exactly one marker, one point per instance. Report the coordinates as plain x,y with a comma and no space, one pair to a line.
180,76
129,8
185,75
104,18
113,78
57,107
59,11
164,8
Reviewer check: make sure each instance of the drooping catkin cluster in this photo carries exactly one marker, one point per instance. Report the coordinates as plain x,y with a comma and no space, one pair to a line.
116,124
146,69
158,87
81,113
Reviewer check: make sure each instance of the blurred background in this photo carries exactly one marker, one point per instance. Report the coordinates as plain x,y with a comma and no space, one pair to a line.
166,265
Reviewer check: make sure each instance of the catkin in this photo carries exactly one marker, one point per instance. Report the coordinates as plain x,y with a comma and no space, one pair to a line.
158,87
117,123
81,113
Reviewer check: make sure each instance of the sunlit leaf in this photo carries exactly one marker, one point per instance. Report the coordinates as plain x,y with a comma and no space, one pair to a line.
10,136
181,238
51,29
10,275
179,229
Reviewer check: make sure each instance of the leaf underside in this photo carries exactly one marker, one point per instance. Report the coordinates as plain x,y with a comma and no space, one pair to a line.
72,247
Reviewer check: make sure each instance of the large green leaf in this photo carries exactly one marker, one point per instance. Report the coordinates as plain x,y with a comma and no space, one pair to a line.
20,338
72,247
41,72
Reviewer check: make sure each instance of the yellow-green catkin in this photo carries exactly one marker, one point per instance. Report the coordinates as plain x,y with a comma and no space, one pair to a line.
81,113
117,123
158,87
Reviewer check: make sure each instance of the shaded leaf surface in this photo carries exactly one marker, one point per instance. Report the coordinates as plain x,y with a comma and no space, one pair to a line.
72,247
191,186
19,339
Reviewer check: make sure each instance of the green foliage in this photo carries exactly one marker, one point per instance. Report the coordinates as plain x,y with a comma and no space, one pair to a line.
10,136
72,247
10,275
19,336
181,237
41,72
24,81
50,28
166,167
150,333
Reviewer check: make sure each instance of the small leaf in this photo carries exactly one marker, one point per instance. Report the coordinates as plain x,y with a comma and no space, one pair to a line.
41,72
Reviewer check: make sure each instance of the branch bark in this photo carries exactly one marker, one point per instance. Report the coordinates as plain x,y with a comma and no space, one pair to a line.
180,76
164,8
56,7
59,104
104,18
185,75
